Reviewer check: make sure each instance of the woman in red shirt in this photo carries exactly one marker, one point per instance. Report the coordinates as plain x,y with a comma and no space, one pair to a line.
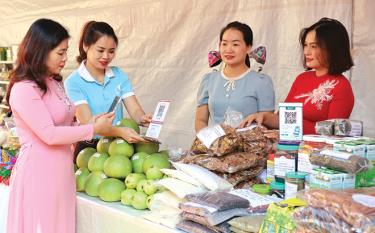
323,90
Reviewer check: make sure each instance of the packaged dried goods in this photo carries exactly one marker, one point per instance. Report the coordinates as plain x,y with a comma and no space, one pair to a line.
354,206
228,142
229,163
247,223
340,161
219,200
222,227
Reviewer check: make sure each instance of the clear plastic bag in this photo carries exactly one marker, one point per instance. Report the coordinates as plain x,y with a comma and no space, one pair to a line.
233,118
219,200
247,223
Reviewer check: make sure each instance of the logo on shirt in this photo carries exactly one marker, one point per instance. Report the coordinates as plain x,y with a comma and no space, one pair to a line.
320,94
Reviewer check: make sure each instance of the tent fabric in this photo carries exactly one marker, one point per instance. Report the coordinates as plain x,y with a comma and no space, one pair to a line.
163,45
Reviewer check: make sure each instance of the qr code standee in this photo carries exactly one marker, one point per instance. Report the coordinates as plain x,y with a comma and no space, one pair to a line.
160,112
290,117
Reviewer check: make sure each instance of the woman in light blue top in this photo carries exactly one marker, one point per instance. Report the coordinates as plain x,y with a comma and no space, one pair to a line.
95,84
236,88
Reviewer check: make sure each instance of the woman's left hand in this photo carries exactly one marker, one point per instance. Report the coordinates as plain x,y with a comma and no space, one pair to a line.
145,120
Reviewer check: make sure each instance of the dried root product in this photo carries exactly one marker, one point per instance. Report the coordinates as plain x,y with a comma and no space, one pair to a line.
230,163
221,146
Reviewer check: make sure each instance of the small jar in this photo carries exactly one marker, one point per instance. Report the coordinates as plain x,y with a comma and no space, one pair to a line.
294,182
277,189
285,160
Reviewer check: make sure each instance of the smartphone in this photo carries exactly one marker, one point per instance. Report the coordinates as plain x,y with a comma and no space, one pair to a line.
151,139
116,100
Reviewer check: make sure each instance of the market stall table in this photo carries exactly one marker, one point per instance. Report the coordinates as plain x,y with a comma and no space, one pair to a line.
96,216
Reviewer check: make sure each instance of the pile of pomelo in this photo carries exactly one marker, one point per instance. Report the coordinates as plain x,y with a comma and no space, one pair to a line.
119,171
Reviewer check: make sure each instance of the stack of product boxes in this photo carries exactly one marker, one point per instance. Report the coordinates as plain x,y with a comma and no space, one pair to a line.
289,169
342,146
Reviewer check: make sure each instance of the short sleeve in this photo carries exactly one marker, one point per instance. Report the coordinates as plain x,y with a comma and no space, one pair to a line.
74,92
126,86
265,94
202,95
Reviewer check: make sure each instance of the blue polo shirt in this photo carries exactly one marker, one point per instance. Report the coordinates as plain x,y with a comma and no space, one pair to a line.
82,88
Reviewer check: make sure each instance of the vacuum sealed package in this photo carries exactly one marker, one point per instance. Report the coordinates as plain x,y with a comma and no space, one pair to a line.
207,178
193,227
241,176
219,200
324,127
222,227
347,127
209,215
180,188
340,161
218,140
354,206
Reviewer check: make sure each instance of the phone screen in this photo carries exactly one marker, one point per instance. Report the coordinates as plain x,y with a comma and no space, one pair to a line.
116,100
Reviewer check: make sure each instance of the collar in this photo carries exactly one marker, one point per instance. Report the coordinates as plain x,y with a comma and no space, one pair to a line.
85,74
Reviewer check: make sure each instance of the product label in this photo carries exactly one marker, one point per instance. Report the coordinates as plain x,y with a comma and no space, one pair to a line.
284,165
254,198
290,190
356,128
105,140
209,134
336,154
304,164
120,141
270,171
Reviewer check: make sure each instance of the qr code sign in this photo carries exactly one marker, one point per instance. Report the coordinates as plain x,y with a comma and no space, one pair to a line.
290,117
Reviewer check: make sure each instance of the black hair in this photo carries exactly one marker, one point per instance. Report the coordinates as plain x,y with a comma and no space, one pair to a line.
43,36
246,32
91,33
333,39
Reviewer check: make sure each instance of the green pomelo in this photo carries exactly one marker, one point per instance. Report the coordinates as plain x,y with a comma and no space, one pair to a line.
137,161
103,144
117,166
96,162
84,156
120,147
92,183
81,177
147,147
111,189
155,160
130,123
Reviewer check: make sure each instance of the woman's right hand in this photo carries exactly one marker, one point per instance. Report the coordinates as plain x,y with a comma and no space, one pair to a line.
130,135
103,123
256,117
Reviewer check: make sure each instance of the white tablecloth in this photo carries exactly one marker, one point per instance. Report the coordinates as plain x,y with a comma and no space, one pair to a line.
96,216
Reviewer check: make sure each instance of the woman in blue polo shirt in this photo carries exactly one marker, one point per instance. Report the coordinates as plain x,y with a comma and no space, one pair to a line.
95,84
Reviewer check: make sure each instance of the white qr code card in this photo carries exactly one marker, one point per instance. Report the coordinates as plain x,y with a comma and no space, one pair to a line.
154,129
290,121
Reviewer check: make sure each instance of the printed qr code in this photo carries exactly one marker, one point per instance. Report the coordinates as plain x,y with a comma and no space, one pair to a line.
160,112
290,117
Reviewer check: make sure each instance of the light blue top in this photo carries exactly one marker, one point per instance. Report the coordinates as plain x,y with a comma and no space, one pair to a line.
82,88
249,93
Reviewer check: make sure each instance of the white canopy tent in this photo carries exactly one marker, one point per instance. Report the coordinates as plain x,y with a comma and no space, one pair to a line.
164,44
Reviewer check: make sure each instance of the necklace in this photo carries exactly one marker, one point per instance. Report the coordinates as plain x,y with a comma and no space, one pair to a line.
64,97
